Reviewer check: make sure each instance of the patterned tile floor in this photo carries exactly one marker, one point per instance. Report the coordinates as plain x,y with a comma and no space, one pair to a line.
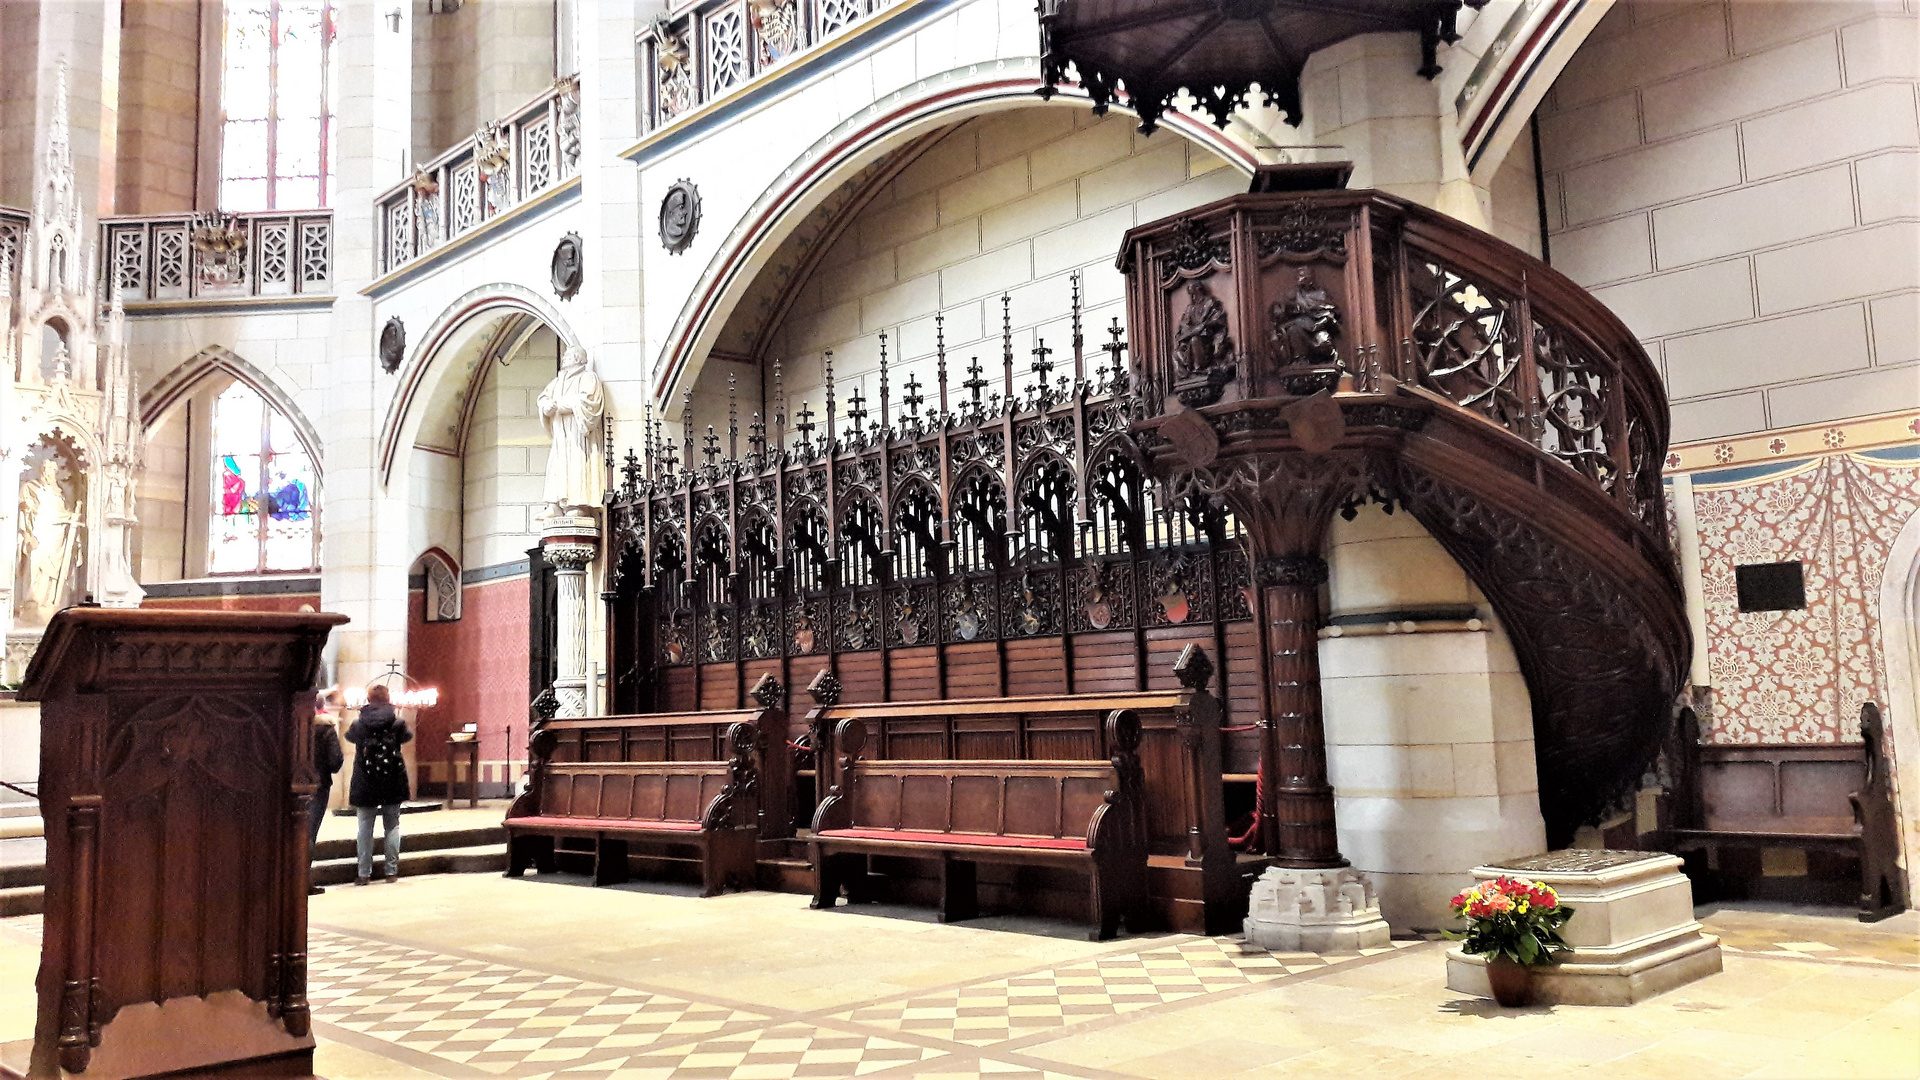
507,1021
1013,1008
487,1015
1834,936
639,983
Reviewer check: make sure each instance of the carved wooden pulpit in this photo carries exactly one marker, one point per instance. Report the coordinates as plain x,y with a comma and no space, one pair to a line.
176,779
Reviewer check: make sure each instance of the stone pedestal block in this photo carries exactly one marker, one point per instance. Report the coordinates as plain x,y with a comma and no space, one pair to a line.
1317,910
570,543
1633,932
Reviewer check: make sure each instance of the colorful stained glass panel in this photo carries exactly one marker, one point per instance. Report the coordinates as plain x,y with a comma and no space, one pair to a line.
263,489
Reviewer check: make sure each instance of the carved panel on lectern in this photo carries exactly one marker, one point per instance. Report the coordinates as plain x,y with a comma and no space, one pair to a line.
192,788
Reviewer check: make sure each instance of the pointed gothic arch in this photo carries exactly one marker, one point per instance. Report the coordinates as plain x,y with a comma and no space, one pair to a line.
834,160
421,373
214,361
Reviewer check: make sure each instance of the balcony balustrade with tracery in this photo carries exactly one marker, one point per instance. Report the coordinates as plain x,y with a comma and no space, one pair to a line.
217,256
710,49
506,163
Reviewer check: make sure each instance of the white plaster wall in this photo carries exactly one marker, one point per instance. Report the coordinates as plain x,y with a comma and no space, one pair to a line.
1516,200
506,462
517,259
1011,202
19,751
1429,733
436,491
1737,181
161,502
291,348
474,64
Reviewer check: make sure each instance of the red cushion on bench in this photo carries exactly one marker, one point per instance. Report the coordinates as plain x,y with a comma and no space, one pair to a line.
975,839
604,824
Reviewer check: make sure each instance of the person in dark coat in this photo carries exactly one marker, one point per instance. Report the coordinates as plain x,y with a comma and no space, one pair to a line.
379,778
327,760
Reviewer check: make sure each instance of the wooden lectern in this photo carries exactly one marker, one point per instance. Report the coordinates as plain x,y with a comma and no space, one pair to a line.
176,777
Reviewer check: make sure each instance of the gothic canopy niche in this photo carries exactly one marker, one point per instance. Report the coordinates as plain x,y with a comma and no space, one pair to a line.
1218,50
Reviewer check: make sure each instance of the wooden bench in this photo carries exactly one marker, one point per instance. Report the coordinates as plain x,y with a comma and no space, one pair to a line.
1733,803
960,812
1183,807
713,783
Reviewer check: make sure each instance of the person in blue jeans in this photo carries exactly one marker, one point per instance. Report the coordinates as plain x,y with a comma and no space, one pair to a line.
379,778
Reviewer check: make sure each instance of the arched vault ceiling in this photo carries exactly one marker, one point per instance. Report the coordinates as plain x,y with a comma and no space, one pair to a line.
479,343
749,329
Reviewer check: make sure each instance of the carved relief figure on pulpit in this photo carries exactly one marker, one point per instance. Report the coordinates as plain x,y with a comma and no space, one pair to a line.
1304,325
1201,339
571,407
49,545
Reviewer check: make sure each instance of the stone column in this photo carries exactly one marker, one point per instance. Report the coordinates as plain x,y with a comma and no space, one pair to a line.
569,544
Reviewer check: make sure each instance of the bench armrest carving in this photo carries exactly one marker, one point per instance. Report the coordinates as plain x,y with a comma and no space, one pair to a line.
836,810
737,805
539,749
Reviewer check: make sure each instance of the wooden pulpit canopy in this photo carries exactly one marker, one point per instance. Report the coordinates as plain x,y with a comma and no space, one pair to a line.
176,779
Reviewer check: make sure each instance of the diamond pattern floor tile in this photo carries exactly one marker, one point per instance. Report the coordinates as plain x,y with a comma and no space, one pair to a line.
490,1016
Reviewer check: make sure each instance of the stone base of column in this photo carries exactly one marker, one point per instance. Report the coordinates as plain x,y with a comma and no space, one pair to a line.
572,696
1315,910
1633,932
569,542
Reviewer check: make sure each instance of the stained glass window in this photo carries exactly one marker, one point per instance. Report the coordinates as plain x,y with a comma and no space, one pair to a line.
277,96
264,509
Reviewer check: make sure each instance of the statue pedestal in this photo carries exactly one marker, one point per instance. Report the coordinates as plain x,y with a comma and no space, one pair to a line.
570,542
1633,932
1315,910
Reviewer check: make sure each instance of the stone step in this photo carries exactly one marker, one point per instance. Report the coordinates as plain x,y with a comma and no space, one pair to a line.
414,840
411,806
21,875
784,875
460,851
479,859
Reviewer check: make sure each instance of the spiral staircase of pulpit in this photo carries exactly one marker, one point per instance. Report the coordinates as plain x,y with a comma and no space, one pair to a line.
1305,344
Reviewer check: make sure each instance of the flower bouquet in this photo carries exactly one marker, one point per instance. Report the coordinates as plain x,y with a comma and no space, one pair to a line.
1516,925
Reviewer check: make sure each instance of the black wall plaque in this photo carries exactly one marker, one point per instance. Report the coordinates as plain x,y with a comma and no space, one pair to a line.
393,345
567,263
679,216
1778,586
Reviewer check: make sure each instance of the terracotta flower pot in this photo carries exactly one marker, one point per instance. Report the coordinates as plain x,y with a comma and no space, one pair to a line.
1512,983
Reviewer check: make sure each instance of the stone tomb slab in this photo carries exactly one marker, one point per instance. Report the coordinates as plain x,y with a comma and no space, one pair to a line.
1633,932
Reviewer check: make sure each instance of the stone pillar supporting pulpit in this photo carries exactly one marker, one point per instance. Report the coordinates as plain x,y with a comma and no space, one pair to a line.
569,543
176,781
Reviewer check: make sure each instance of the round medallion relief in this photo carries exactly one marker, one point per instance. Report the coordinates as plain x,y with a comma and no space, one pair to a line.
679,216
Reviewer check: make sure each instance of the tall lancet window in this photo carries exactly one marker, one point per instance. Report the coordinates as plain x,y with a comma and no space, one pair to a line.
277,98
264,505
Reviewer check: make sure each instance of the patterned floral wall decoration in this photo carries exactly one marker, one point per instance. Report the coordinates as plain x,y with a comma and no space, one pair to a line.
1801,676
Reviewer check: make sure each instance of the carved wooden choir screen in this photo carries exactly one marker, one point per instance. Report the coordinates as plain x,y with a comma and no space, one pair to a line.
957,543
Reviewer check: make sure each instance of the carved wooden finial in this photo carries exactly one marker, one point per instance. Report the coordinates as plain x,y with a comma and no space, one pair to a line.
767,691
1194,670
544,706
825,688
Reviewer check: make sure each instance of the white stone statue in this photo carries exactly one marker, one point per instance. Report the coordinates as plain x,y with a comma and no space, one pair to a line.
49,539
571,407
